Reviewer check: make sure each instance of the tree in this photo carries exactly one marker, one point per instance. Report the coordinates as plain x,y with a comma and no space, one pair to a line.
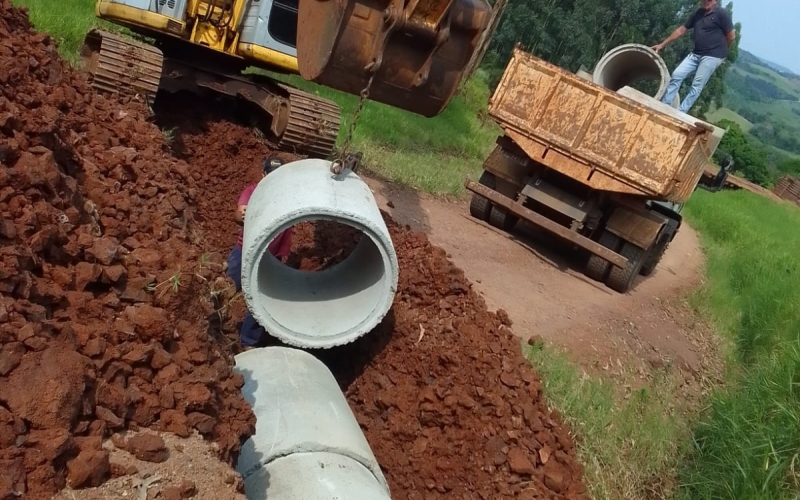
751,159
790,166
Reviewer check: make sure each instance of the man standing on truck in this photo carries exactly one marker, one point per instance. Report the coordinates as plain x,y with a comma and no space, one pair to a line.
713,36
280,247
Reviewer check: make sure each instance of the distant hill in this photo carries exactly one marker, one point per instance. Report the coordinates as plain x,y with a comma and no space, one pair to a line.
773,65
768,97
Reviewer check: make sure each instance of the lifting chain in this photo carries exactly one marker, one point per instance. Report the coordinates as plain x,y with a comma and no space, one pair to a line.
346,159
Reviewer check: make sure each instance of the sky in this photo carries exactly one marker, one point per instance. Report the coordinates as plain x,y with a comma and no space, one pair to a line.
770,29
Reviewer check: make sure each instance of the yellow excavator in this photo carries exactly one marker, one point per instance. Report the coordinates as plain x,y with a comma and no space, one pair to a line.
410,54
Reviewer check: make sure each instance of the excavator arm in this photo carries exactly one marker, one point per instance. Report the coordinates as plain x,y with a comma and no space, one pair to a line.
411,53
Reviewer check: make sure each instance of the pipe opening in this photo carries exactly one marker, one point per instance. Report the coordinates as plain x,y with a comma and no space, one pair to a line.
320,244
325,296
635,66
321,300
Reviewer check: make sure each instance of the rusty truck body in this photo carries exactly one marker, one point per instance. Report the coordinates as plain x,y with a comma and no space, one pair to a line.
589,165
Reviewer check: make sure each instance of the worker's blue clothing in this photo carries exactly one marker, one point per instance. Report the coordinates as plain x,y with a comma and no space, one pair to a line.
251,331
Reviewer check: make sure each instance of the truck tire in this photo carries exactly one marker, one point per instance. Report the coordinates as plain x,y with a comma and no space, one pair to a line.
597,267
500,218
621,279
654,258
480,207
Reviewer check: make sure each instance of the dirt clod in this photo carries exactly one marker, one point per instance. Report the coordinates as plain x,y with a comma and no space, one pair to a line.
147,447
89,468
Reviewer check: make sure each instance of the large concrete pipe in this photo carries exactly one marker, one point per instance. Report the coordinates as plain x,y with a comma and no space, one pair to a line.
329,307
625,64
307,444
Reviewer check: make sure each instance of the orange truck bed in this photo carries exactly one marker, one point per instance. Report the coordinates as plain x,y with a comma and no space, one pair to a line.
597,136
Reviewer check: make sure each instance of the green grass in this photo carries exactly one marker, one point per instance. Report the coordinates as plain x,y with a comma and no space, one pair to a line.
67,21
629,444
748,446
728,114
431,154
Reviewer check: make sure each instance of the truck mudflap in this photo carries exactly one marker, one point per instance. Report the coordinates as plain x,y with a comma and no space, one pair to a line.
640,227
543,222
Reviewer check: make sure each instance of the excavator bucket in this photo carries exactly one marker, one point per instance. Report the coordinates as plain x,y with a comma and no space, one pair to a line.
415,51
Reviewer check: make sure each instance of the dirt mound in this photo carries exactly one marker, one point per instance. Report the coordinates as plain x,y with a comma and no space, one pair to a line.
224,156
104,288
447,402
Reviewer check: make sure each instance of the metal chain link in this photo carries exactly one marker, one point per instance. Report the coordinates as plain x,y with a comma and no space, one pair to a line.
347,160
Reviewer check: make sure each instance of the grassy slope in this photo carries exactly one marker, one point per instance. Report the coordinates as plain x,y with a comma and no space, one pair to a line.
728,114
784,114
432,154
749,444
630,443
772,76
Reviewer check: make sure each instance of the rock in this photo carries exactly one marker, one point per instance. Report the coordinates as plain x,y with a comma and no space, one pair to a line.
90,468
535,340
95,346
188,489
108,416
148,447
85,274
103,251
544,454
175,422
10,357
57,378
7,229
554,479
150,322
113,274
519,463
171,493
203,423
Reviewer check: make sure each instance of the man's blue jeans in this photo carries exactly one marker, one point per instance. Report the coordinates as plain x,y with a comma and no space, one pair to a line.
702,67
251,331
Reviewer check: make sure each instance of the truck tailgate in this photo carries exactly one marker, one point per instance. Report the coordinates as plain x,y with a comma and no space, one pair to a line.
595,135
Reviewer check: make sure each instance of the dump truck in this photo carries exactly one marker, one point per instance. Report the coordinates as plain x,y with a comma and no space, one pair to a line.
591,166
410,55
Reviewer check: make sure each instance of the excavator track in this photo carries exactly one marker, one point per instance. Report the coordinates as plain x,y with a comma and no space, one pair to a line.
308,125
123,66
313,124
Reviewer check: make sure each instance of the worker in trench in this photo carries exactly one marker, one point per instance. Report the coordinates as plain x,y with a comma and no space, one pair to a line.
714,34
280,247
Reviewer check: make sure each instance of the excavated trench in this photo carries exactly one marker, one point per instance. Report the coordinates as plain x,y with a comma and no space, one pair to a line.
113,239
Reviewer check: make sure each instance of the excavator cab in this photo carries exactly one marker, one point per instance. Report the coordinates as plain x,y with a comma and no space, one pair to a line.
410,54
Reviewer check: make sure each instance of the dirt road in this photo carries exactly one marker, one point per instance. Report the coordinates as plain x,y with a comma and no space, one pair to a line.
541,286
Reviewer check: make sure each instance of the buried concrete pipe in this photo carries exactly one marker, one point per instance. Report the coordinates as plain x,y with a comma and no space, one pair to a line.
624,65
308,444
325,308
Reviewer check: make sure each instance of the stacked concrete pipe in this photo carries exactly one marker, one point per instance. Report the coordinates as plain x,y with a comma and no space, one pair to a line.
329,307
623,65
307,445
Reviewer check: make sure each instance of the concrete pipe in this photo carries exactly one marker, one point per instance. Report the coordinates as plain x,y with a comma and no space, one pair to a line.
625,64
325,308
307,444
